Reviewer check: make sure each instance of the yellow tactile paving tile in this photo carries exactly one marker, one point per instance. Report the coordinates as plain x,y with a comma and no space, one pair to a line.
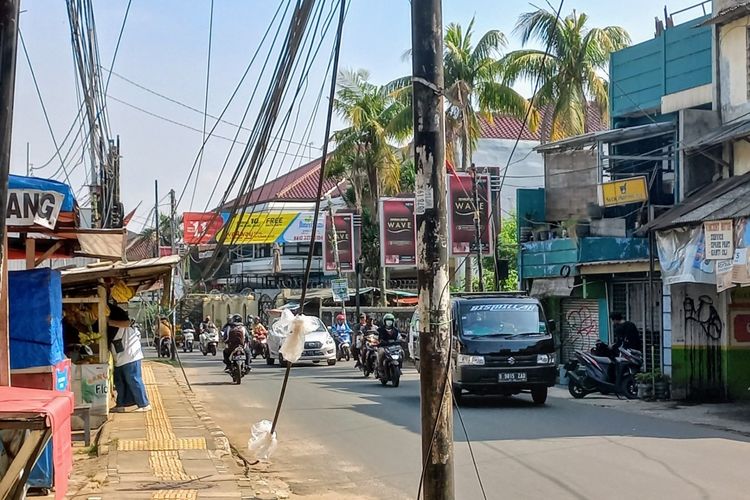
167,466
162,444
148,374
175,495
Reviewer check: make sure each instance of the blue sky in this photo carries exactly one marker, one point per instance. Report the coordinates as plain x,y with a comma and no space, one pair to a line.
164,48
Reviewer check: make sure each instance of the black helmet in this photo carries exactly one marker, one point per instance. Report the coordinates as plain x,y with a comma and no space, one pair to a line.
237,319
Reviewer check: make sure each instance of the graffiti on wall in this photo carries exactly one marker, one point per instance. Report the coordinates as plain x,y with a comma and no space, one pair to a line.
581,328
703,330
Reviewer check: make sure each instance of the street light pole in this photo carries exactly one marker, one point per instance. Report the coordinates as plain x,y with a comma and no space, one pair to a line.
477,225
432,246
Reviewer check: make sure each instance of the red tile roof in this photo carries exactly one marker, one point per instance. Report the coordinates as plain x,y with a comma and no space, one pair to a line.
300,184
507,127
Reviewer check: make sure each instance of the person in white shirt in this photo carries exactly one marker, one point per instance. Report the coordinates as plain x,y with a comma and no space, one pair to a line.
125,345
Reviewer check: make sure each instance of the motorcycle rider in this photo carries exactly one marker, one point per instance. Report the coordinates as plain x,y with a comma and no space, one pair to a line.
387,334
341,331
236,336
165,331
260,333
207,325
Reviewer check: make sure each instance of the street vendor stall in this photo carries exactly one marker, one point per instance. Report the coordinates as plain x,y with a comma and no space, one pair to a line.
29,418
86,293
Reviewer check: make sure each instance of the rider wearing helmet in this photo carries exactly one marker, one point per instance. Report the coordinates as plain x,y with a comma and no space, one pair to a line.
236,336
387,334
341,330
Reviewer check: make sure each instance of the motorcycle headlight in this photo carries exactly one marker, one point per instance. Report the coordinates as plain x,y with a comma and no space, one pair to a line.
545,359
463,359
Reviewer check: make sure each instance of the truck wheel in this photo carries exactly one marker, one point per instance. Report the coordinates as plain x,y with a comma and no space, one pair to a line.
269,360
539,395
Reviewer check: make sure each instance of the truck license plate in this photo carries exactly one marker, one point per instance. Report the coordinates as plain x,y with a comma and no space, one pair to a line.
511,377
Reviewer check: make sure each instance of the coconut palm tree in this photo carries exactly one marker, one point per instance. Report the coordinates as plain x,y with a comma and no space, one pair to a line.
475,84
569,75
364,150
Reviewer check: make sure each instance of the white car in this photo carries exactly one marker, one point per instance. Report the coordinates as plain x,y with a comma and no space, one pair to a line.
319,345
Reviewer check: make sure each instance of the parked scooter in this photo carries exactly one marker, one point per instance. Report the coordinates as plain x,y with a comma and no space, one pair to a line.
237,368
604,370
392,363
209,342
188,337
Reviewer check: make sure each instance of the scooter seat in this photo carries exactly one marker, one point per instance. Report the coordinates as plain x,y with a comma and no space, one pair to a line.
602,359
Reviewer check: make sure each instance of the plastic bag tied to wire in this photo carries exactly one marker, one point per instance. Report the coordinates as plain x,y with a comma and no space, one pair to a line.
294,328
262,442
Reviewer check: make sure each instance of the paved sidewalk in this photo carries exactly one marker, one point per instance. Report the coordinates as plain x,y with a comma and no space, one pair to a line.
734,417
174,451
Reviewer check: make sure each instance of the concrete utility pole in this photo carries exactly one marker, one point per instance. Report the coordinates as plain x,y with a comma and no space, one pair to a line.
334,239
173,220
8,42
432,247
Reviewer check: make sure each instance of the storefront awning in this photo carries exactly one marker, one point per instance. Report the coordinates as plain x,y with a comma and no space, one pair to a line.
724,199
607,136
136,272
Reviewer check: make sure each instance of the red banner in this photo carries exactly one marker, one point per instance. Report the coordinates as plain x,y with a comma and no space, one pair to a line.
461,221
200,228
398,233
344,225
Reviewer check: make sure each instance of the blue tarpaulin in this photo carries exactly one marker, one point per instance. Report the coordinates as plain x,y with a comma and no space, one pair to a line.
35,317
21,182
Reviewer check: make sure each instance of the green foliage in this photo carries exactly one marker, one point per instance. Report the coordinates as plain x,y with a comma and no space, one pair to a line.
569,76
508,249
408,176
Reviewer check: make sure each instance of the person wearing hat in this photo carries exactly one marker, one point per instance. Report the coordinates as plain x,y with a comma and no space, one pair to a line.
359,338
125,346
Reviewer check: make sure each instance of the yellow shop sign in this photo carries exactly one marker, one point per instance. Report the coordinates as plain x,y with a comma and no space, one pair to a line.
622,192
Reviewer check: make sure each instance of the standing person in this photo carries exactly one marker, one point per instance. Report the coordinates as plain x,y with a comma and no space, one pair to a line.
125,345
625,332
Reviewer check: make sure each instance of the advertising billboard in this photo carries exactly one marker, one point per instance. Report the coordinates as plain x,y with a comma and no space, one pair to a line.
344,227
461,214
398,233
261,228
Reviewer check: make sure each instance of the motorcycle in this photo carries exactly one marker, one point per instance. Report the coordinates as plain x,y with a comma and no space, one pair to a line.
369,355
165,347
392,363
208,342
604,370
259,347
237,364
343,346
188,337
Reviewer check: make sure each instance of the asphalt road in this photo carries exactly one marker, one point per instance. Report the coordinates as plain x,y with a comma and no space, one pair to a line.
341,436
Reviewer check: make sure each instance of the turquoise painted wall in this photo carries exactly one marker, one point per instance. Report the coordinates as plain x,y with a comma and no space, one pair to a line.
677,60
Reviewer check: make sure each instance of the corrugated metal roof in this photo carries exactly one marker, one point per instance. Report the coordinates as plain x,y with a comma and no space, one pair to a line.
613,135
505,126
727,132
724,199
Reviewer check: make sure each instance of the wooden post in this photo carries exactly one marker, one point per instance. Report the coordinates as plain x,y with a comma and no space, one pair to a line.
102,312
30,253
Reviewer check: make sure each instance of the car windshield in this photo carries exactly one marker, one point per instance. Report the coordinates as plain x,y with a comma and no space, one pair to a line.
483,320
283,331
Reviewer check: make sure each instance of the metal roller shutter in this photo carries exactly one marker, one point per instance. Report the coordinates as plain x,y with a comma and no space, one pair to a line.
580,326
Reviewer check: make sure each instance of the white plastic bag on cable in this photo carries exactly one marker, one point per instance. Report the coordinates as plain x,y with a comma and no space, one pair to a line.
262,442
295,328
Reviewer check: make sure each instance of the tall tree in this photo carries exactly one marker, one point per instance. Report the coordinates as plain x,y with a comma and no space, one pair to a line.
569,75
364,152
475,83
